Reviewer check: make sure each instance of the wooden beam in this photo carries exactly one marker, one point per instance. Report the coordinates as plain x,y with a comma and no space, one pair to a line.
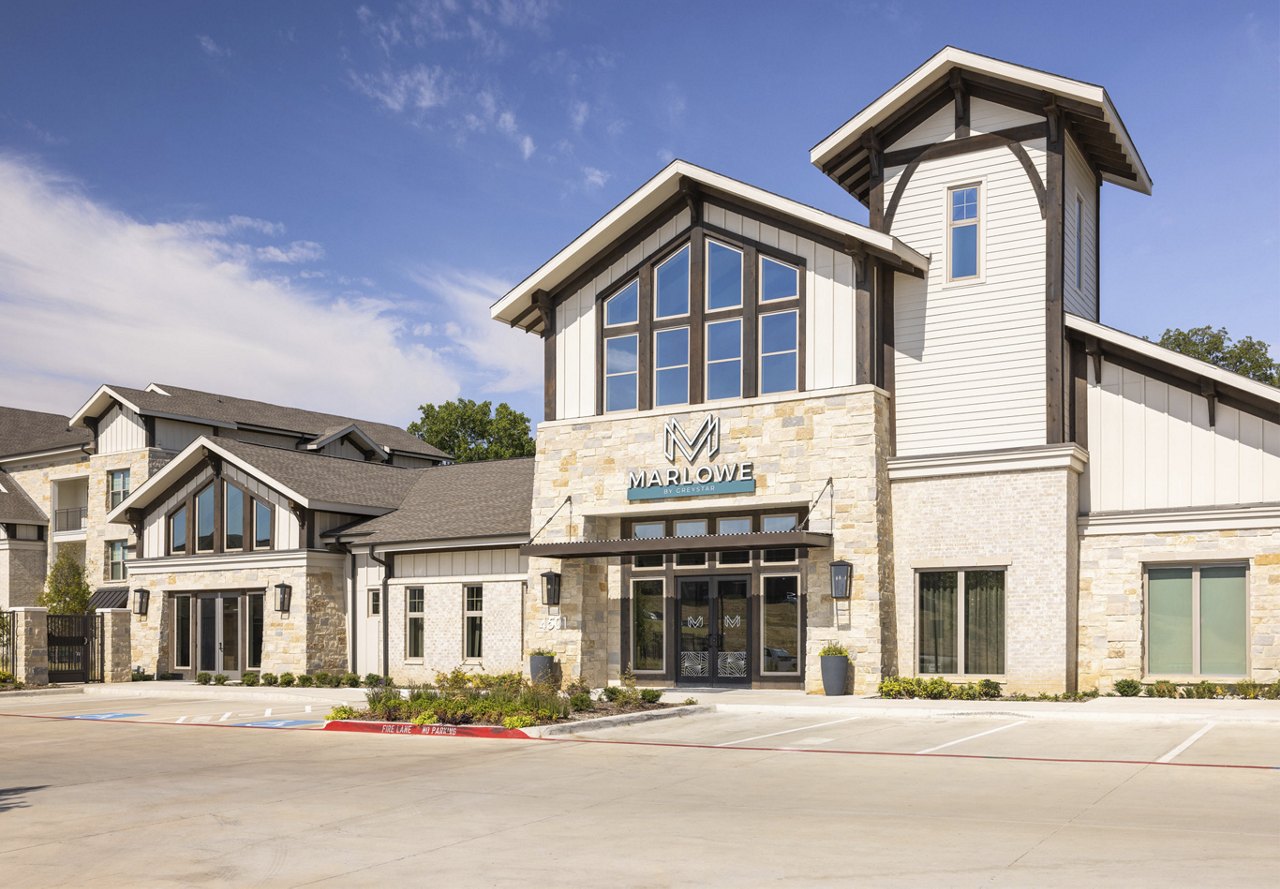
548,310
952,147
960,96
863,318
1055,321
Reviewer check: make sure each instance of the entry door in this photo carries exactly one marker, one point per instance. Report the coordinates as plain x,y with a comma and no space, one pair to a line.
714,632
369,649
218,647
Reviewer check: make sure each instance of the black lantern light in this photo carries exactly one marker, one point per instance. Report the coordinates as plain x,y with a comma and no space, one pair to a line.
141,599
284,593
550,588
840,573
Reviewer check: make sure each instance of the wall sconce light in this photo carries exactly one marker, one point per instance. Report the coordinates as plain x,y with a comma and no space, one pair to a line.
284,593
141,600
550,588
840,573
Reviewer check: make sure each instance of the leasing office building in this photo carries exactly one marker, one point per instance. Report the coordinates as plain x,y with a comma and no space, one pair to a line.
745,394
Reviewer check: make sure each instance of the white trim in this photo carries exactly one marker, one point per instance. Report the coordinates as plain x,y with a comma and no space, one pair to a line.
458,543
262,560
1262,515
979,222
453,579
81,450
1068,456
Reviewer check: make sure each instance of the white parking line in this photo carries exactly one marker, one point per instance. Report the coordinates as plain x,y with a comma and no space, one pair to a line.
1168,757
224,716
308,708
991,731
182,719
266,712
786,731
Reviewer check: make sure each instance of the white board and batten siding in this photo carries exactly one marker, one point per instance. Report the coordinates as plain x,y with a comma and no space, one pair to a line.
121,430
286,530
471,564
1080,209
992,117
174,435
1151,447
937,127
970,355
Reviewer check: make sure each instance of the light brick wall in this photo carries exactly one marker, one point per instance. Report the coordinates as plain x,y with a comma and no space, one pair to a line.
1111,596
1024,520
443,618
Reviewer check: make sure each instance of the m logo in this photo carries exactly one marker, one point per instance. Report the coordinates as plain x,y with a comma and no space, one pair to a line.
706,438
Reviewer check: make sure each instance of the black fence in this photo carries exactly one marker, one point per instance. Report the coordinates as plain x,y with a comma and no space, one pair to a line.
7,642
76,651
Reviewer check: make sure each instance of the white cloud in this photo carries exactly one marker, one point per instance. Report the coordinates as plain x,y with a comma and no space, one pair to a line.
295,252
211,48
593,178
414,89
578,114
90,295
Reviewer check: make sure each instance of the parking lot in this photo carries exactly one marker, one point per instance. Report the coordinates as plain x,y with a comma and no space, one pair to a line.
170,794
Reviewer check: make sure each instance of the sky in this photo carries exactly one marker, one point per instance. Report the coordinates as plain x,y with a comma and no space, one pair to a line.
316,202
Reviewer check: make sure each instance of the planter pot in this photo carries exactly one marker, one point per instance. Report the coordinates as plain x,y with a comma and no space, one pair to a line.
835,674
540,667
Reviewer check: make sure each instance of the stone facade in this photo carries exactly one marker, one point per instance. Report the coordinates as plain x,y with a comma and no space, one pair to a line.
1022,521
443,619
1112,604
117,663
22,572
796,443
31,645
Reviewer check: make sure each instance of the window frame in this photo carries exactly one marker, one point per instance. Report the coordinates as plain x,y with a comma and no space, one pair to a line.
183,655
212,488
980,234
112,562
661,580
373,598
688,365
605,375
960,621
708,241
246,502
761,354
186,529
684,246
117,496
1196,675
271,523
708,360
468,615
800,621
410,616
777,300
604,305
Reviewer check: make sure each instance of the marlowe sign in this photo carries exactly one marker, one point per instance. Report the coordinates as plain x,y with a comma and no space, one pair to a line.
691,480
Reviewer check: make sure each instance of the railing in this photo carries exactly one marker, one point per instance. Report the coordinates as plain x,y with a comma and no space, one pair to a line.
72,519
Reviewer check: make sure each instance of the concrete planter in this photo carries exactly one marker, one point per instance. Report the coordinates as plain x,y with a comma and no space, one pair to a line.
541,667
835,674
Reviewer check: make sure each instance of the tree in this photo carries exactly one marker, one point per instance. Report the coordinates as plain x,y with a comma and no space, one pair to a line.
1248,357
65,589
471,431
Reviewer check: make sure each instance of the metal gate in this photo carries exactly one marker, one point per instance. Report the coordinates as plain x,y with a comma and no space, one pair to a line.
75,647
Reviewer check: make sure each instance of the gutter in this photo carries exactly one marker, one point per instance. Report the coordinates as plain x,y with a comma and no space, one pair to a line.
387,570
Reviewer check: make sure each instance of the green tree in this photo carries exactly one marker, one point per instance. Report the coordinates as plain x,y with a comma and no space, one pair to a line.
474,430
1248,357
65,589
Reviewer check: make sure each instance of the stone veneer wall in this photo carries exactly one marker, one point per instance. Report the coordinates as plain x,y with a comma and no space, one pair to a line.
1111,595
22,572
796,443
1024,520
443,619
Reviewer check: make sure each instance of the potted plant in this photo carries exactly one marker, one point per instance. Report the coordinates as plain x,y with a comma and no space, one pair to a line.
541,663
835,668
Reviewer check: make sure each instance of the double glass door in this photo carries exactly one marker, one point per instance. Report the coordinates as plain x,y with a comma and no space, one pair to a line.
714,630
228,633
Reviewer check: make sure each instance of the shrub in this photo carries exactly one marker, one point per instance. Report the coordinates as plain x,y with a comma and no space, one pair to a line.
323,680
898,687
204,678
651,695
386,703
1128,688
342,711
580,701
989,689
688,702
6,677
220,679
425,719
350,680
270,679
612,693
304,681
936,689
518,722
542,652
1204,689
287,680
1162,688
373,680
1272,692
834,649
250,679
139,676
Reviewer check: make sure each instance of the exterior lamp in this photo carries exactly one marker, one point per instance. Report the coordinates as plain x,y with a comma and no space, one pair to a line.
141,599
550,588
284,593
840,571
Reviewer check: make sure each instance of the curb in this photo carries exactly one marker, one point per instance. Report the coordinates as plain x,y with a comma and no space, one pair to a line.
1197,717
408,728
603,722
39,692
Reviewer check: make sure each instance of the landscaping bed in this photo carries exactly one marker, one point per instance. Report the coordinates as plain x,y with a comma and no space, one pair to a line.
509,700
939,689
9,683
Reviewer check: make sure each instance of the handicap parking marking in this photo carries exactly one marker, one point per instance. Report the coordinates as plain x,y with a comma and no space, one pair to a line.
279,723
105,716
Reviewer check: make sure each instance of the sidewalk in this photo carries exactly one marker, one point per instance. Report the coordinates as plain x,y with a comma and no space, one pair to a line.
238,693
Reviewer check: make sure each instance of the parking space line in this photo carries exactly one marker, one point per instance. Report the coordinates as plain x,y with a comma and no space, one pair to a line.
1168,757
991,731
224,716
266,712
786,731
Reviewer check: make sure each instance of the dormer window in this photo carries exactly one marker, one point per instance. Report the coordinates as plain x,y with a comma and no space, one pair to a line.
962,232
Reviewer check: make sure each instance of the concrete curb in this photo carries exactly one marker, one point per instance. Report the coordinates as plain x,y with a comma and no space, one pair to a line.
620,719
1079,713
39,692
228,693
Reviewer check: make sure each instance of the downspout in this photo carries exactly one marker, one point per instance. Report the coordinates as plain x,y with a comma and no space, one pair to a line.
387,569
351,618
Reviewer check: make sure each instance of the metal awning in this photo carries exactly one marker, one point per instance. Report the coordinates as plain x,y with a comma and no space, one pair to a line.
582,549
109,597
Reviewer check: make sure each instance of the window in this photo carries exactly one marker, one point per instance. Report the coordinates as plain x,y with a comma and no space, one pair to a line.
671,366
671,286
776,524
962,228
182,632
779,354
780,624
649,625
620,372
724,359
473,621
734,526
415,629
204,520
961,633
178,530
1197,621
256,613
117,486
648,531
1079,237
261,525
116,553
724,277
232,517
375,601
690,528
778,280
623,307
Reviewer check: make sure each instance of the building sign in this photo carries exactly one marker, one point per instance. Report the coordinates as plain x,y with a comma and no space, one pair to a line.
708,478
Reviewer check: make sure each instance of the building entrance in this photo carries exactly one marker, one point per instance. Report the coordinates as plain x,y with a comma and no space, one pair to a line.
715,633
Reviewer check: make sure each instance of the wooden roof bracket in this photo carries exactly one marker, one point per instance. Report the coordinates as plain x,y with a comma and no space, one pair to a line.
1094,351
546,312
693,198
1210,392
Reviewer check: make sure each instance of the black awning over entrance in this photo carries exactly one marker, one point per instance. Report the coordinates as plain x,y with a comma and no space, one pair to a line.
109,597
585,549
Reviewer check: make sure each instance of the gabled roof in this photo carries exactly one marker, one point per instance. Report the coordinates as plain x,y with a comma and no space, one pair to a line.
35,432
16,506
1087,106
463,500
227,411
667,184
359,437
315,481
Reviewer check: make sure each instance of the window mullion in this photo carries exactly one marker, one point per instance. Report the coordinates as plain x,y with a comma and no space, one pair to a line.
961,659
697,315
1195,620
644,344
750,322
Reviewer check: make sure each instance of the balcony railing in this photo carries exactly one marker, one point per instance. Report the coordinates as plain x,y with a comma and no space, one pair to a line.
72,519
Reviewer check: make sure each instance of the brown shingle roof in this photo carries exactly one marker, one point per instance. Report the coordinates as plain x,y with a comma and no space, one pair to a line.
16,506
483,499
28,432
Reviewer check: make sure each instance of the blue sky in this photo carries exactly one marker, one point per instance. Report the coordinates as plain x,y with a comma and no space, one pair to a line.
315,202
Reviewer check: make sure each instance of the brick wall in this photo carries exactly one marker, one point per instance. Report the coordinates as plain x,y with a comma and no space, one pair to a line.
443,634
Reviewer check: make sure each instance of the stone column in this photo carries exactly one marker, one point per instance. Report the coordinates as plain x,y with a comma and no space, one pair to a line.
31,645
117,660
